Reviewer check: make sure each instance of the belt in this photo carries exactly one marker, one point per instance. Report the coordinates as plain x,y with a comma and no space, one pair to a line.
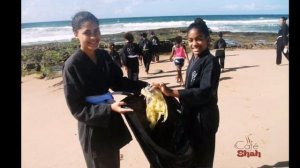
279,37
132,56
100,99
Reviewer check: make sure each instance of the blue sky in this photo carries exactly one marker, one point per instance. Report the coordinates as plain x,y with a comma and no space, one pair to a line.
56,10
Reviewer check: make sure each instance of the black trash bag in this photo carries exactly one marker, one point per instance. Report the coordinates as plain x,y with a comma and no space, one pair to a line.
166,145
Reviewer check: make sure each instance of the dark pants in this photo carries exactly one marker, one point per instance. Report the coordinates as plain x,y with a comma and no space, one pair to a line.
155,56
204,149
108,159
132,74
147,57
279,52
220,54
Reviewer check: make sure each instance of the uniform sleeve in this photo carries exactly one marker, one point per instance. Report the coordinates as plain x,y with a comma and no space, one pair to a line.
157,40
285,32
216,44
120,83
123,56
225,44
118,58
139,50
207,89
93,115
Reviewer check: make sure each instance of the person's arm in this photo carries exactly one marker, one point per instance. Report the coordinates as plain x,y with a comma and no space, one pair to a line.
172,54
208,86
186,55
120,83
285,32
123,56
157,40
94,115
118,58
216,44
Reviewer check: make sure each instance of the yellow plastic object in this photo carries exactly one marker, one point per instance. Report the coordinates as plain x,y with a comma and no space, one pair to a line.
156,106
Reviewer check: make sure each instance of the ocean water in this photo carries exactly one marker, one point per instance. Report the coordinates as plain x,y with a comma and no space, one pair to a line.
62,31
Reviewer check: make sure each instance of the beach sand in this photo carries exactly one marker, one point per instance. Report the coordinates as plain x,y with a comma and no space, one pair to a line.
253,102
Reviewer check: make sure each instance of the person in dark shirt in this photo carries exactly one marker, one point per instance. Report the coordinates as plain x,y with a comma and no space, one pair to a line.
220,46
155,46
114,54
200,97
145,46
130,56
88,74
140,43
282,41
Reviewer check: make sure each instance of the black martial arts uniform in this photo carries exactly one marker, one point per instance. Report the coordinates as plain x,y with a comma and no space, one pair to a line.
101,132
116,57
155,46
199,104
130,54
220,45
282,40
146,47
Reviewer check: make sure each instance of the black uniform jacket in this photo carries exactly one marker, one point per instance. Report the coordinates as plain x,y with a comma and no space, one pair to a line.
100,129
131,49
200,96
283,33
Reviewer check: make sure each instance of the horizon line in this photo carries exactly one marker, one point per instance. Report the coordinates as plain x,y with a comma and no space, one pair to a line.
152,16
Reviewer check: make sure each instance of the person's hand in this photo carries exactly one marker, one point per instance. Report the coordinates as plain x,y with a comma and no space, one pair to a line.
126,69
171,59
154,86
275,42
117,107
165,90
285,50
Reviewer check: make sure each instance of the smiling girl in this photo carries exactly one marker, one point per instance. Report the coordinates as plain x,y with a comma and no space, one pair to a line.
200,96
88,74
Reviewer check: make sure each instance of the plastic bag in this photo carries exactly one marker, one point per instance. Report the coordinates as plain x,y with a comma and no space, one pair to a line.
156,106
166,145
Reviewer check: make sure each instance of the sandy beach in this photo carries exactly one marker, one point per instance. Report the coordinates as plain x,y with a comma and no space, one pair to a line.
253,102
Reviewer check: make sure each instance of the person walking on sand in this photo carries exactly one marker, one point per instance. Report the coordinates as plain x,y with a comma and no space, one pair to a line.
200,97
282,41
130,56
140,43
88,74
114,54
179,54
145,46
220,46
155,45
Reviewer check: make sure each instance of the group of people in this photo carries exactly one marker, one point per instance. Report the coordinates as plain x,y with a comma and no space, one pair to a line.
145,51
90,72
